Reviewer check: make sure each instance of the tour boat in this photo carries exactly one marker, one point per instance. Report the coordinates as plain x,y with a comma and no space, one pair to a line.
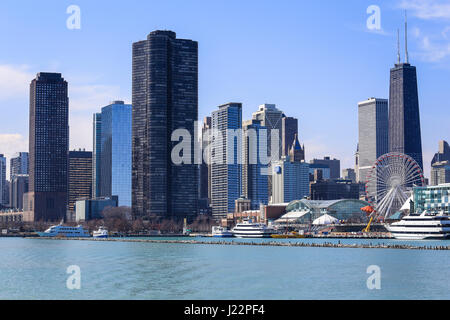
102,232
64,231
221,232
421,227
249,229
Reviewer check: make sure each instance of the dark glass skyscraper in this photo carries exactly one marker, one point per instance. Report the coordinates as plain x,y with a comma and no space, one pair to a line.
80,177
289,128
165,98
404,118
49,144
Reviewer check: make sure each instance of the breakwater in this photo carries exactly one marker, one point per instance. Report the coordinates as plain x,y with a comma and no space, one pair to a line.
269,243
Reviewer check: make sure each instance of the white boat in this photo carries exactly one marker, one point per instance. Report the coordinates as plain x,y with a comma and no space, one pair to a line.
64,231
249,229
102,232
421,227
221,232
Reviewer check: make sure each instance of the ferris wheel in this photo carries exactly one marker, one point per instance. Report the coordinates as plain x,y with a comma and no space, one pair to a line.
390,181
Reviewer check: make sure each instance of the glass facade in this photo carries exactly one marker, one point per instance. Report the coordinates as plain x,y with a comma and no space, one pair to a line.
165,98
3,200
254,173
96,153
49,146
433,200
226,174
404,117
80,177
115,152
290,180
19,164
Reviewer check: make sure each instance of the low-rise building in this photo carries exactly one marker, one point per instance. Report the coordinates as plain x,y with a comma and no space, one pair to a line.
306,211
90,209
433,199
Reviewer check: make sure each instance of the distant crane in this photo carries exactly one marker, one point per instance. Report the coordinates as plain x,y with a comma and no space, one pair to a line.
370,211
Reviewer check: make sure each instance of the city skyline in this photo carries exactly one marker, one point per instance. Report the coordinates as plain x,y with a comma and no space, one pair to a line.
90,88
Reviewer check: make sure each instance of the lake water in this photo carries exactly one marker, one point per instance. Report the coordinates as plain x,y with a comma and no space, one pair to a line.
36,269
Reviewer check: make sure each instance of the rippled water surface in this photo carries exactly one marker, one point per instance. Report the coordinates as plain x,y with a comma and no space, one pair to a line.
36,269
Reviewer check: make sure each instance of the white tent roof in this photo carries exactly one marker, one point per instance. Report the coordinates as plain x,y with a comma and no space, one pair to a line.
325,219
406,205
291,216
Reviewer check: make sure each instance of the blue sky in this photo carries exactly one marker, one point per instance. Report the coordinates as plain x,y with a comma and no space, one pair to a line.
314,59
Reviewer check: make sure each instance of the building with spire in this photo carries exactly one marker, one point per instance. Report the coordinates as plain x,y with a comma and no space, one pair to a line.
289,129
404,117
290,176
296,152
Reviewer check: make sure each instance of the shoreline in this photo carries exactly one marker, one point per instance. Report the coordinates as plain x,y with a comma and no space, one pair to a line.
271,243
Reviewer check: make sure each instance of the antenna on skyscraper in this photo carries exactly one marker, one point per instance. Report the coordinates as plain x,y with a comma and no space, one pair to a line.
398,46
406,38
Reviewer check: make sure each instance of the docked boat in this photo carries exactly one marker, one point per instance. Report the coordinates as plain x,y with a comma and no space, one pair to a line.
249,229
102,232
421,227
221,232
65,232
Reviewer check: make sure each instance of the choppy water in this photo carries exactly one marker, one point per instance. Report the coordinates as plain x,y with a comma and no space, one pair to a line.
36,269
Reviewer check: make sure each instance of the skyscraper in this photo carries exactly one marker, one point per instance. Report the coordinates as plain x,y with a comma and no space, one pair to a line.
289,128
271,118
440,165
112,150
254,171
226,159
18,164
19,186
80,177
205,168
349,174
96,153
290,178
440,173
443,153
3,200
49,144
165,98
333,164
404,117
373,134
